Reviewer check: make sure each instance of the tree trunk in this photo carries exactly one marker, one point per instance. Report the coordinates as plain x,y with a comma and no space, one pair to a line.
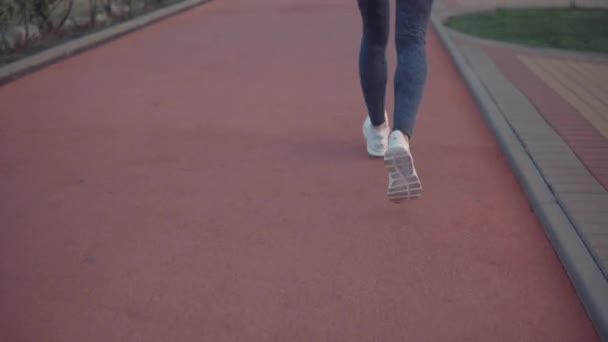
93,12
26,18
65,17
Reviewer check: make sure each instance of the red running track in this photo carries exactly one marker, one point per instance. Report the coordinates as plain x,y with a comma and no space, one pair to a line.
205,179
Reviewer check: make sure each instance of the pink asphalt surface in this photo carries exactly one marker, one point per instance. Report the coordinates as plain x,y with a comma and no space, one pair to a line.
205,179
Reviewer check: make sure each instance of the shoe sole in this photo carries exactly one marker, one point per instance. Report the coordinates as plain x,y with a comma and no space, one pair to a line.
375,154
404,183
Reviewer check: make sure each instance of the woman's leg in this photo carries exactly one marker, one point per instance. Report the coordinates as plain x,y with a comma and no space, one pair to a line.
372,57
410,76
411,23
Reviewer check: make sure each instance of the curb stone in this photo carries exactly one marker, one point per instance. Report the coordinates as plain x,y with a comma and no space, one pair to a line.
578,262
18,68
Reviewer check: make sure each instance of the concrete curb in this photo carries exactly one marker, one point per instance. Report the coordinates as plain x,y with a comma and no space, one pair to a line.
582,269
18,68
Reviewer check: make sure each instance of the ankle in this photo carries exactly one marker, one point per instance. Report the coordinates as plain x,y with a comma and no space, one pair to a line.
381,124
405,135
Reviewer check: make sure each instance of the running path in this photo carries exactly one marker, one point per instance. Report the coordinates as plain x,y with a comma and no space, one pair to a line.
205,179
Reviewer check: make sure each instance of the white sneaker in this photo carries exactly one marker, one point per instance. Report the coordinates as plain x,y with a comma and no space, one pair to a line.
403,181
376,137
